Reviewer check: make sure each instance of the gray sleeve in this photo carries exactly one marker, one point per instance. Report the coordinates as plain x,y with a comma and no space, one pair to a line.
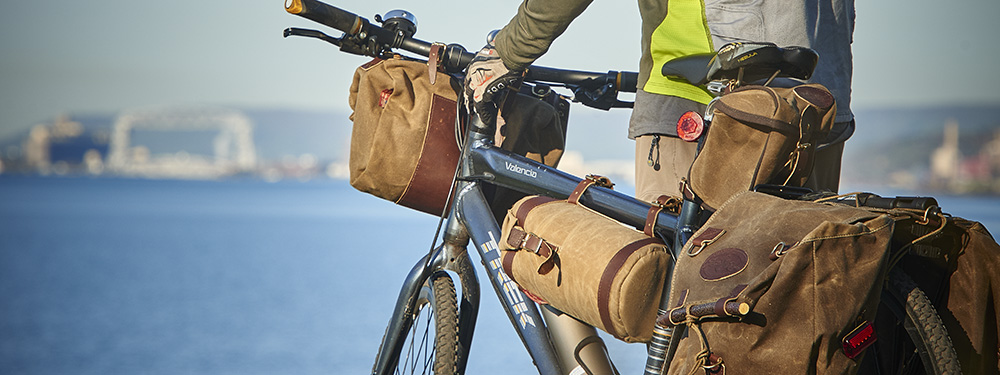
530,33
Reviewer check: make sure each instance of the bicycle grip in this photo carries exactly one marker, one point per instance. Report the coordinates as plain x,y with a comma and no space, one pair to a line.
325,14
628,81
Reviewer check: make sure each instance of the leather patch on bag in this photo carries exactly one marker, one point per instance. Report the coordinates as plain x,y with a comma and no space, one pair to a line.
818,97
724,264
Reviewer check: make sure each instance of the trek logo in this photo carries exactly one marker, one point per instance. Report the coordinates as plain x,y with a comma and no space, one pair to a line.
515,299
521,170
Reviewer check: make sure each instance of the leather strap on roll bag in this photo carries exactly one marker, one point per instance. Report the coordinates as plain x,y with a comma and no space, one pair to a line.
520,215
663,202
608,277
585,184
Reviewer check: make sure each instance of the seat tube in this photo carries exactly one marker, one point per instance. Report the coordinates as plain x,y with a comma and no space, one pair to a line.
577,344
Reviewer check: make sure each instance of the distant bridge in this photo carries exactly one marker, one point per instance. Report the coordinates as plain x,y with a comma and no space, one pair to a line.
233,146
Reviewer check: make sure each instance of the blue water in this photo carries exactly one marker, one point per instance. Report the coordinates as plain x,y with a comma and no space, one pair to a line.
116,276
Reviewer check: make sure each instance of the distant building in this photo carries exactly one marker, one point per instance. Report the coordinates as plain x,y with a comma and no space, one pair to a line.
952,172
227,136
64,146
945,159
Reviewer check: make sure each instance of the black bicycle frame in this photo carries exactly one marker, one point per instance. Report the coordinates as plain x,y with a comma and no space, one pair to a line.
471,218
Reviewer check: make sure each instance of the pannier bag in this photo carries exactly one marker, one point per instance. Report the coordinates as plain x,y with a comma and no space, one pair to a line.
973,306
761,135
404,143
772,286
956,262
585,264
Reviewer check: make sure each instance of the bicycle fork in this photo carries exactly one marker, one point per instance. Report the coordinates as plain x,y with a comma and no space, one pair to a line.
449,256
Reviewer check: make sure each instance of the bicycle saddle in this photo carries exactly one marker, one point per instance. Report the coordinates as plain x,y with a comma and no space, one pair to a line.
757,61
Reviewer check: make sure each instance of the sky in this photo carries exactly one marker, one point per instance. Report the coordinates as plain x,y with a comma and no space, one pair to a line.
77,57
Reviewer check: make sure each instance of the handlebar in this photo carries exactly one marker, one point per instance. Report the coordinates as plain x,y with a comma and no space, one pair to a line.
598,90
325,14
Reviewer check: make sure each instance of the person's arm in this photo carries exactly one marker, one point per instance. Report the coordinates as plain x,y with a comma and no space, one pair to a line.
530,33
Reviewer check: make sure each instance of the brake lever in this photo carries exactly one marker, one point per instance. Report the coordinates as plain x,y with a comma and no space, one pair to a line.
604,97
348,45
309,33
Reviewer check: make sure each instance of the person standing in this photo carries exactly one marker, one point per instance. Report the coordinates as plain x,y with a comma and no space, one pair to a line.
677,28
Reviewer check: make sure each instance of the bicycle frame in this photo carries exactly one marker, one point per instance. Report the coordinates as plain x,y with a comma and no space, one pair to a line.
471,218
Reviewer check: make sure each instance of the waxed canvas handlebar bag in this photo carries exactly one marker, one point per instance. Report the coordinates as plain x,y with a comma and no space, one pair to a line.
761,135
774,286
585,264
405,137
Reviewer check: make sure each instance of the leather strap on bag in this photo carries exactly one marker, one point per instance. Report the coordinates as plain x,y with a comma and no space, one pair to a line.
432,61
800,161
608,277
663,202
585,184
521,239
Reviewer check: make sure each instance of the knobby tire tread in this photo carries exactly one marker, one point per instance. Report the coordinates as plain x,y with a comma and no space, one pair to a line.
924,326
446,325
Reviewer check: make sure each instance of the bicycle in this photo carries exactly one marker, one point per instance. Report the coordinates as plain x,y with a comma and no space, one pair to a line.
438,323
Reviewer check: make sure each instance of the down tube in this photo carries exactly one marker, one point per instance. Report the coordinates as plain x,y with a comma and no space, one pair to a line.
523,313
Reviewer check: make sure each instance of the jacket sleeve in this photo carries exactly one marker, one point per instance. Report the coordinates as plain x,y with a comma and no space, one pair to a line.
530,33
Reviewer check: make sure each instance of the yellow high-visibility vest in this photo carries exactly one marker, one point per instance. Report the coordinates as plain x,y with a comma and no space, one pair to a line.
683,32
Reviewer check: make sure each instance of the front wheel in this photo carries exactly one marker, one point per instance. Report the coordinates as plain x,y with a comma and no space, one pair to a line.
431,344
911,337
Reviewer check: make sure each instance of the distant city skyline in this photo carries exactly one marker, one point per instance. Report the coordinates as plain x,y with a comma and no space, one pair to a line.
84,57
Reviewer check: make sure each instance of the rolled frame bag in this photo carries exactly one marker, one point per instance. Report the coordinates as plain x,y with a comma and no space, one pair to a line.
761,135
585,264
772,286
404,141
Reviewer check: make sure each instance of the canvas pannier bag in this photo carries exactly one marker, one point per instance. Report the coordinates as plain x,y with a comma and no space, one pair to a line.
404,141
956,262
972,313
773,286
585,264
761,135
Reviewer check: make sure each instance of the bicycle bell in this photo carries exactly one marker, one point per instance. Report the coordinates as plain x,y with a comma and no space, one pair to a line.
399,20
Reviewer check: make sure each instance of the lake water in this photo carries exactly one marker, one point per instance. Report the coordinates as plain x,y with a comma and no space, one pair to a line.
118,276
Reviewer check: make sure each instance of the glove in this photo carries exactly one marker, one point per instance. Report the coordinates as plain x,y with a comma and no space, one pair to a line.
487,79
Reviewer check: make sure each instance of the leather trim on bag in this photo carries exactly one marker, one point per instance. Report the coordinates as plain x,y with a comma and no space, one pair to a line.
429,184
752,118
530,204
507,263
370,64
707,236
608,277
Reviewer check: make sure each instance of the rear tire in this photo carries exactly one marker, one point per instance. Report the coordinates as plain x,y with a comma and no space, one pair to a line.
911,336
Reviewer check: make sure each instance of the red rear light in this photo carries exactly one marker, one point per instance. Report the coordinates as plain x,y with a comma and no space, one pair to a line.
859,339
690,126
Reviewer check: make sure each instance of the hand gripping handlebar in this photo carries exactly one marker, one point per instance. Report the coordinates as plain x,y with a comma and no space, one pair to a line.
594,89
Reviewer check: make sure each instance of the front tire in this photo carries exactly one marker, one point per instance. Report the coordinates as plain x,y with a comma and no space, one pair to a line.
432,340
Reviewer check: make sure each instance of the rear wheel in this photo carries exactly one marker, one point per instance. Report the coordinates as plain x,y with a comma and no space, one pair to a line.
431,344
911,337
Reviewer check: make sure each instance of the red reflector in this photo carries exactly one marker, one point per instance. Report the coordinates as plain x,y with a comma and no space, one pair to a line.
690,126
383,98
859,339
